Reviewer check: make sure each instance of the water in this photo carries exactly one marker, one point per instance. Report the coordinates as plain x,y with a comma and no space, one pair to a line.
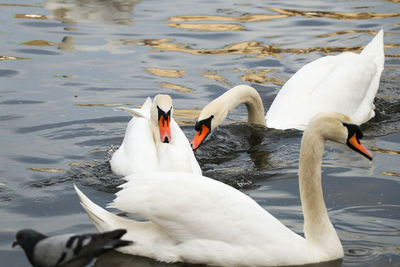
65,65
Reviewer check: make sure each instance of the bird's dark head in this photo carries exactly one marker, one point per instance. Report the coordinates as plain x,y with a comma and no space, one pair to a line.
27,238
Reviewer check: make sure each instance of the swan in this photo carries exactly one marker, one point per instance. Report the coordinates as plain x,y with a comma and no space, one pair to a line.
201,220
346,83
153,141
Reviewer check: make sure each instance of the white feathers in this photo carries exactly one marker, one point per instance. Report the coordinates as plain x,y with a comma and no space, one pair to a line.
346,83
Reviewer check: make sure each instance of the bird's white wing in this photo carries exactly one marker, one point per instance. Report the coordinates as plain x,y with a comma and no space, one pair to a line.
189,207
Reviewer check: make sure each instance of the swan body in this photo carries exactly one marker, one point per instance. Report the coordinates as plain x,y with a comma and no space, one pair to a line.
346,83
147,148
201,220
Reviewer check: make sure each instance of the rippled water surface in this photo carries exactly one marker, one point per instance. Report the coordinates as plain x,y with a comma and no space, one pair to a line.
66,64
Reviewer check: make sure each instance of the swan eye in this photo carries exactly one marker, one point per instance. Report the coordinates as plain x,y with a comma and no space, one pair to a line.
353,129
161,113
206,122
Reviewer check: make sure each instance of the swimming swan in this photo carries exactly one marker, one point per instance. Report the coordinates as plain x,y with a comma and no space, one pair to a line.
195,219
346,83
153,141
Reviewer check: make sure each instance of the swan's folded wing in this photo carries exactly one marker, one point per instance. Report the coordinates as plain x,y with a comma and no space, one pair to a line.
189,207
184,152
137,151
143,112
289,108
346,89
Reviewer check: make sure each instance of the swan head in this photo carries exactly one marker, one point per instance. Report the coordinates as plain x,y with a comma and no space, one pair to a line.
209,119
161,113
338,127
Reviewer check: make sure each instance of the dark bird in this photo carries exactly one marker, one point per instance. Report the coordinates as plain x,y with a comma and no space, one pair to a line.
68,250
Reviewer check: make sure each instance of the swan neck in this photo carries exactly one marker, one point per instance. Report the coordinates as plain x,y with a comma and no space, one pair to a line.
156,133
318,229
247,95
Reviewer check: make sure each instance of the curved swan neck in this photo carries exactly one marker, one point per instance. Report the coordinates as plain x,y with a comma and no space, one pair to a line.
318,229
243,94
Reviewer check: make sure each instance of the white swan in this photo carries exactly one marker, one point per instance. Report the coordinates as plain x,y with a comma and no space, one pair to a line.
201,220
346,83
153,141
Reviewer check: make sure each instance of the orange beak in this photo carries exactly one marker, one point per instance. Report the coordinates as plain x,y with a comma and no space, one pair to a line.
200,136
165,130
356,145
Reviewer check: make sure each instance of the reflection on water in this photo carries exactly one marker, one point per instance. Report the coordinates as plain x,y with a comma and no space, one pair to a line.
242,48
394,174
166,73
175,87
11,58
210,27
335,15
283,13
45,169
107,12
258,76
29,16
372,32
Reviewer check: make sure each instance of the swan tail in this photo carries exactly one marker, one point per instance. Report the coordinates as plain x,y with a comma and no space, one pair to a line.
375,49
102,219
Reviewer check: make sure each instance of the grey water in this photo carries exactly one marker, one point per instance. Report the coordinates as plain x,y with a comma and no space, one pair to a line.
66,64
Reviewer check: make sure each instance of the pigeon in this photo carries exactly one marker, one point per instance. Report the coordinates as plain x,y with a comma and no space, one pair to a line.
67,250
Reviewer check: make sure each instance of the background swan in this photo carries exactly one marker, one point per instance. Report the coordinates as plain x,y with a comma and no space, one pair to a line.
346,83
201,220
153,141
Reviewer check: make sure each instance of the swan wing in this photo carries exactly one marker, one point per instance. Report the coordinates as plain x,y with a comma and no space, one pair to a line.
192,207
345,83
288,110
138,151
143,112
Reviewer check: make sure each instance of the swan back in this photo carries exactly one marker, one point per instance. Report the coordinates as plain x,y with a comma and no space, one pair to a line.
346,83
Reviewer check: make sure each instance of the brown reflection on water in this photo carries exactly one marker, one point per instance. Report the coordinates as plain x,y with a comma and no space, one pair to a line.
373,32
166,72
12,58
283,13
258,76
175,87
248,18
391,173
241,48
207,27
335,15
39,43
19,5
30,16
45,169
214,76
67,43
191,114
386,151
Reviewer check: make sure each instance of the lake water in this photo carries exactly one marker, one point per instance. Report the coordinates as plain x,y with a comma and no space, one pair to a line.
66,64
